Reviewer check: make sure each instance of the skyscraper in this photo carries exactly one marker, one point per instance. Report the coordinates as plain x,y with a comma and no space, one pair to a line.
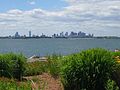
29,33
17,35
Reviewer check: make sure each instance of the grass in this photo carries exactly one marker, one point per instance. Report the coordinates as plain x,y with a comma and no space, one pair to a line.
89,69
111,85
12,65
10,84
35,68
31,84
54,66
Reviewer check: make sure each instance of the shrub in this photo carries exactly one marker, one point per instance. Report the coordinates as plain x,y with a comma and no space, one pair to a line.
111,85
12,65
88,70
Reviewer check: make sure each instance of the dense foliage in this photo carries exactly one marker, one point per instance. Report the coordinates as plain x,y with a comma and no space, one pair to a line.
111,85
93,69
12,65
35,68
87,70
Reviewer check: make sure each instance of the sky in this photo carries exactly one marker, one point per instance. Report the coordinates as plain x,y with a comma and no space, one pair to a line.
98,17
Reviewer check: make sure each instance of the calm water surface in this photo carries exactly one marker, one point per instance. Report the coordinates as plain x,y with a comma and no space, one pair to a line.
44,47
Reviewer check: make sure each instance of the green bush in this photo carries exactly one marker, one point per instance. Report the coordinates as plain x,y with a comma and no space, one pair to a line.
12,65
88,70
111,85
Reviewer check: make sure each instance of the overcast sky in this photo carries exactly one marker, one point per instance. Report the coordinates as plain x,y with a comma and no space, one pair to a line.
100,17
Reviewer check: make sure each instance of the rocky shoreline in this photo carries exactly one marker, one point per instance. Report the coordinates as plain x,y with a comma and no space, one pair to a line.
37,58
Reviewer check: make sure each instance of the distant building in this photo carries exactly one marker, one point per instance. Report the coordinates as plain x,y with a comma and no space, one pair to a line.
73,34
30,34
81,34
24,36
33,36
43,36
66,34
61,34
17,35
90,35
54,35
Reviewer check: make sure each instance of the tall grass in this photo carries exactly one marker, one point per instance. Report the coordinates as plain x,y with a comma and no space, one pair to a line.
12,65
10,84
35,68
116,74
111,85
87,70
54,64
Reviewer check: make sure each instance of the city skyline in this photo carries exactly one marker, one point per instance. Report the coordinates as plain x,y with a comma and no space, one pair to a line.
100,17
71,34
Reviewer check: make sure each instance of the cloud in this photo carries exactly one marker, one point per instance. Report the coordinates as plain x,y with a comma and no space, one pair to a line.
32,2
101,17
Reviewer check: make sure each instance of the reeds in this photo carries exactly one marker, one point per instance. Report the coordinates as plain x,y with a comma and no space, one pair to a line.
12,65
88,70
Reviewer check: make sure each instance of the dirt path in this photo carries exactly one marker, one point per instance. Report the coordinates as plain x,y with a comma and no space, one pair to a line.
45,82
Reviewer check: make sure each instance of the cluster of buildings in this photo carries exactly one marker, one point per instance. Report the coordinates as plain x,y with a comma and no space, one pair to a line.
17,35
60,35
73,35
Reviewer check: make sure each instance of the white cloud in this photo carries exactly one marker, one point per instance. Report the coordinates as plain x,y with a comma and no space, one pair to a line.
32,2
91,16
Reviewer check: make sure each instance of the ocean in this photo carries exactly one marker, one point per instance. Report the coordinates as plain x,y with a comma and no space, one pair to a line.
49,46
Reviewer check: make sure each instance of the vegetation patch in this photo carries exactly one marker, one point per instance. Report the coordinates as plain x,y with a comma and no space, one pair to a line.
12,65
93,69
88,70
10,84
35,68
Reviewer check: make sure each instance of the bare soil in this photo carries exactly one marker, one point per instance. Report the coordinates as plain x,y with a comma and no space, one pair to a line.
45,82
